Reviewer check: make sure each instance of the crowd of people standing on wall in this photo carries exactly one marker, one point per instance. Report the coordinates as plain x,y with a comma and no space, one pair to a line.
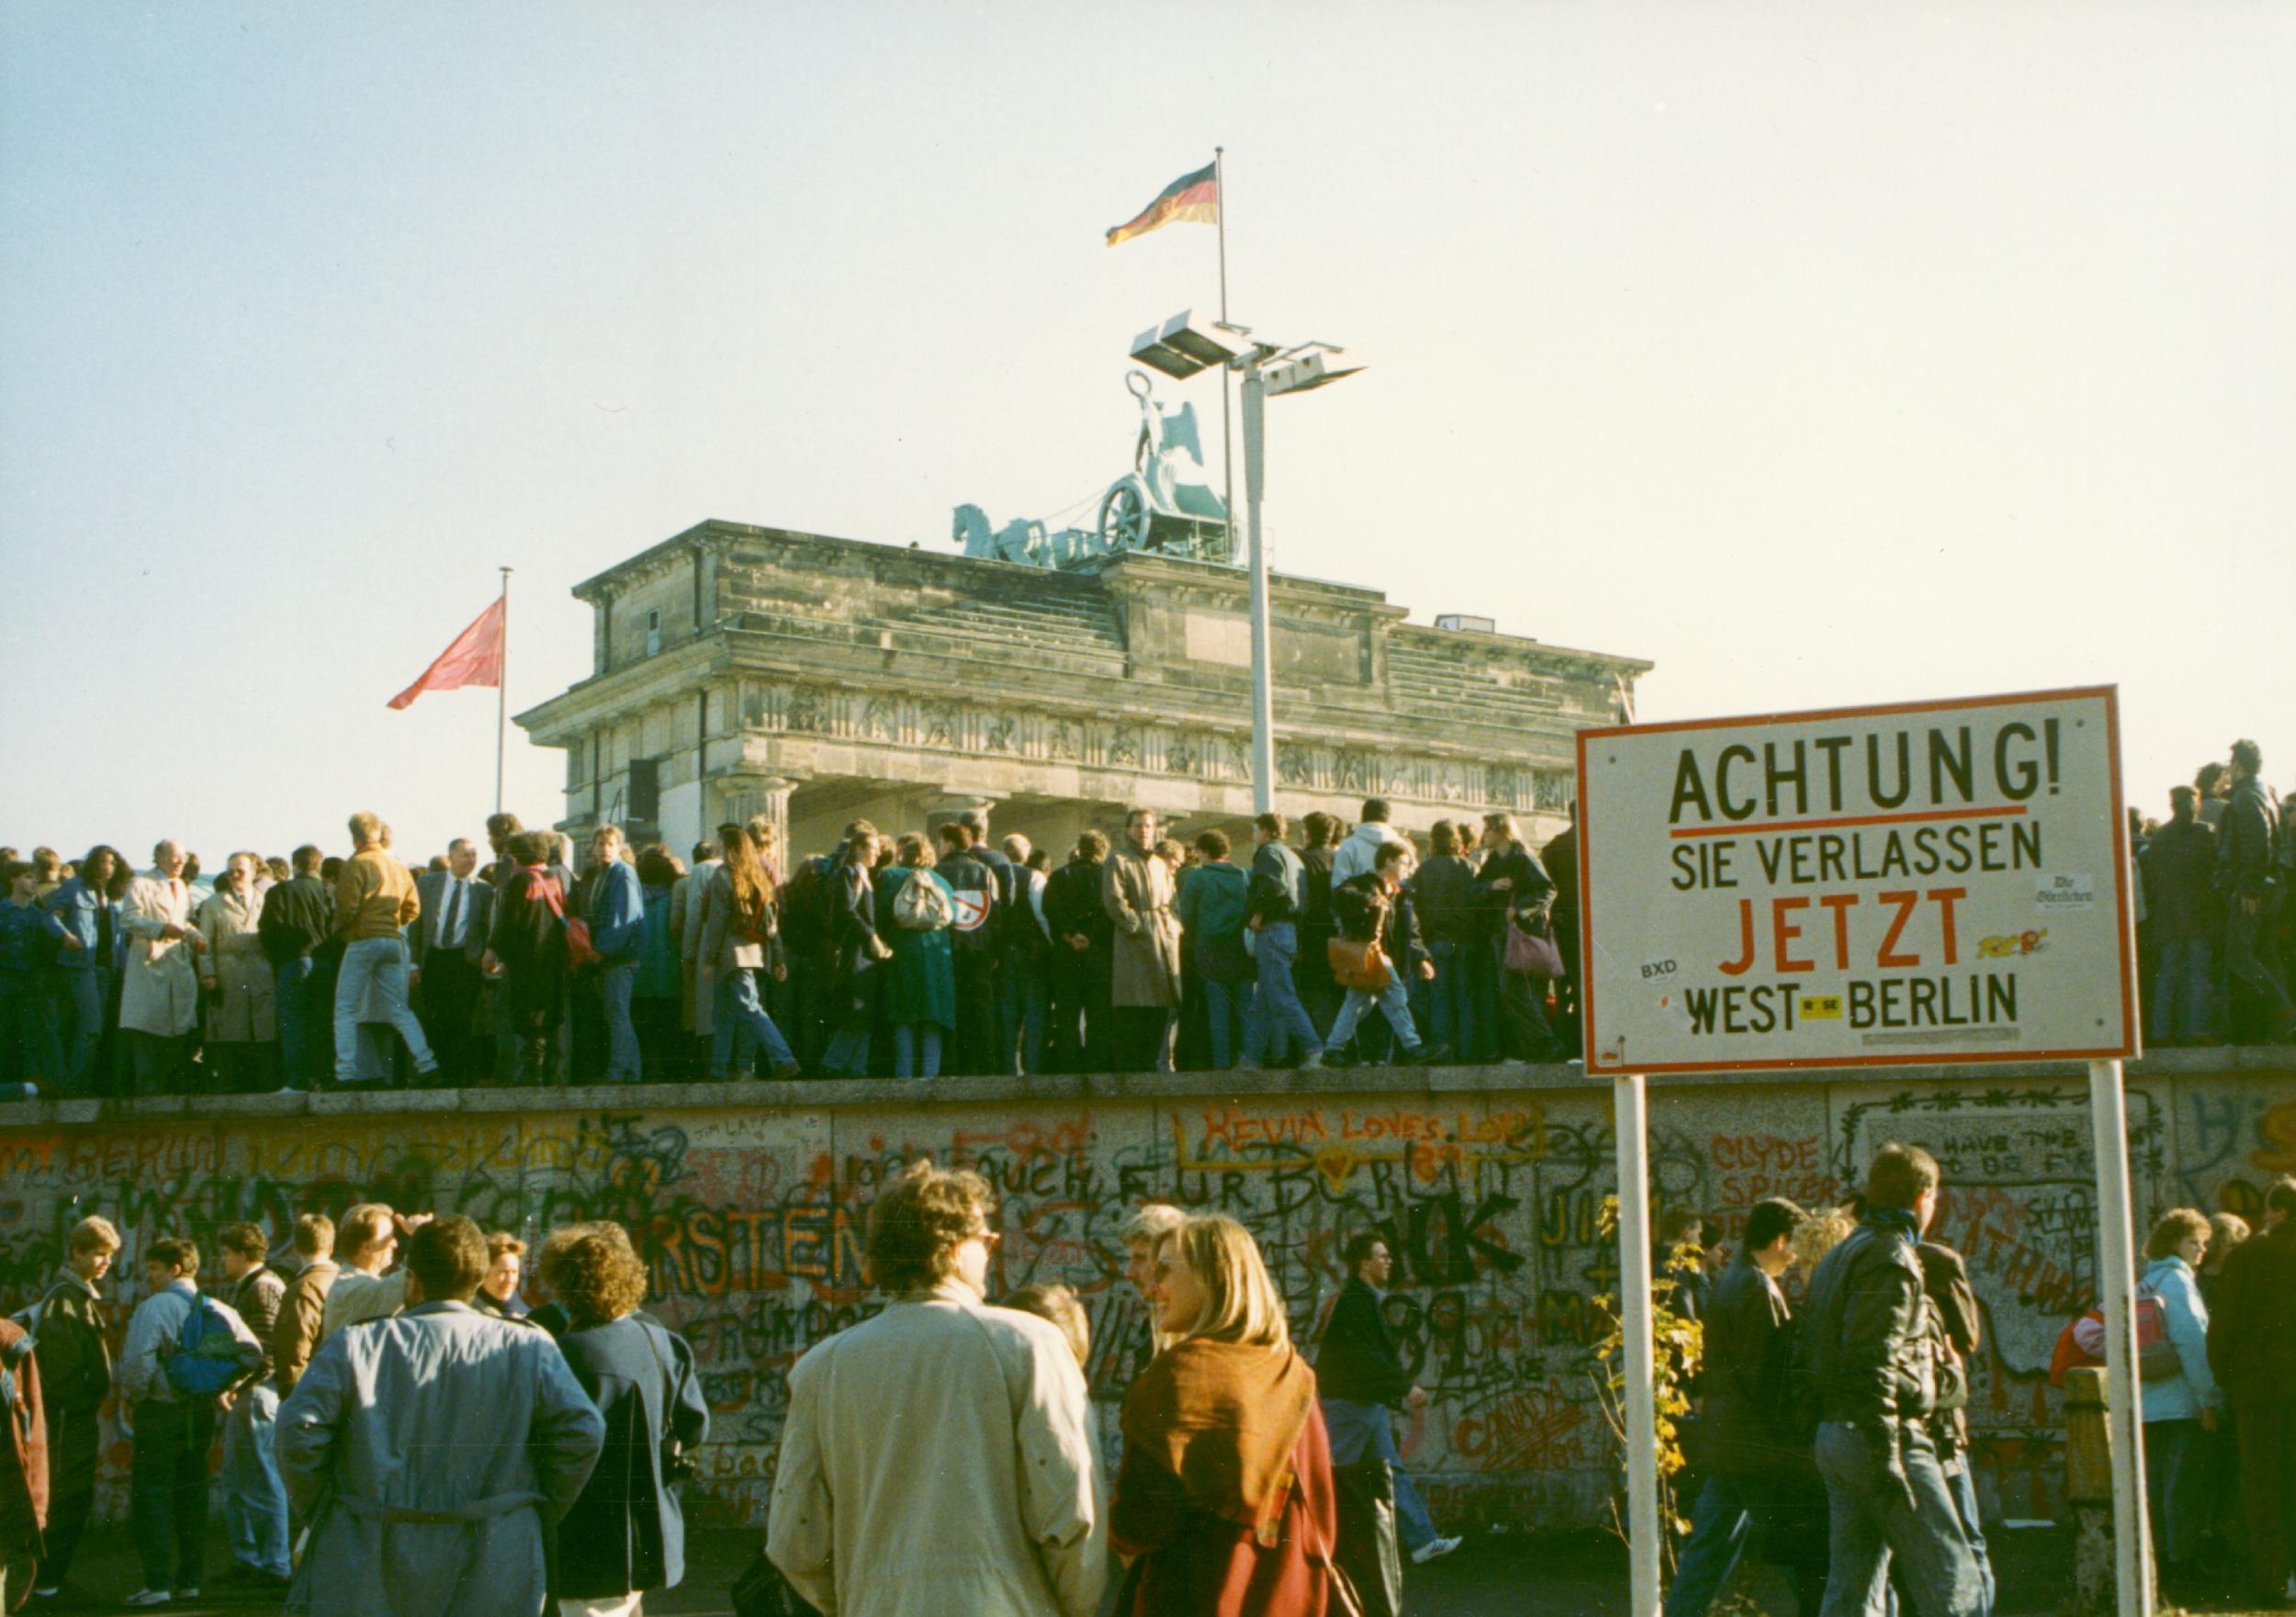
2216,931
908,956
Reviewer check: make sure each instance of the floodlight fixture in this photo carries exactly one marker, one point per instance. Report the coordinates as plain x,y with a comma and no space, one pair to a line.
1305,368
1185,344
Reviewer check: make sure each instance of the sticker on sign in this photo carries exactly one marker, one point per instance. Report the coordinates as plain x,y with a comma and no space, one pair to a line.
1863,887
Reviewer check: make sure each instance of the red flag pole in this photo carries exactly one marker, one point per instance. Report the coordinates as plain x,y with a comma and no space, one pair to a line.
503,695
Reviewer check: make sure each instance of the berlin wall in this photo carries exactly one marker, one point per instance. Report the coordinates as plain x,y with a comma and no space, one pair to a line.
749,1206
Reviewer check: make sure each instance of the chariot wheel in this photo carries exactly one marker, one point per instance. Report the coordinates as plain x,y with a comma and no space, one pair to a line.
1124,517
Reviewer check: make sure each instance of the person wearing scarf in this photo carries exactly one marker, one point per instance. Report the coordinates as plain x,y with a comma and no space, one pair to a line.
1225,1501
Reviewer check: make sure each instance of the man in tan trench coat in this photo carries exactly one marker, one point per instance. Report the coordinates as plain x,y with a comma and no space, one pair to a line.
1136,888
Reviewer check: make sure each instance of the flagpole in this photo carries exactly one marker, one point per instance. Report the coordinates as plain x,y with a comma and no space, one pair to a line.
503,695
1227,447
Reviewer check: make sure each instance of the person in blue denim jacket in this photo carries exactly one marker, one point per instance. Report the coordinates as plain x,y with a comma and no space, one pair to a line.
84,976
2178,1408
29,939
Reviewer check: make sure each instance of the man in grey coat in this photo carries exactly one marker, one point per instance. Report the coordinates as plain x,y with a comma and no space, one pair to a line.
430,1448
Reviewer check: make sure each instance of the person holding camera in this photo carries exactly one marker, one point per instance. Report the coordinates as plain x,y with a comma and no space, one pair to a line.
625,1534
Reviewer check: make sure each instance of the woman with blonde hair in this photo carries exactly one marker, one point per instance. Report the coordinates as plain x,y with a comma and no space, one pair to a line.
1225,1496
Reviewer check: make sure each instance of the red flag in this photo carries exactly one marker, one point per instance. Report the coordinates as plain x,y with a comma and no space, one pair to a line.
475,659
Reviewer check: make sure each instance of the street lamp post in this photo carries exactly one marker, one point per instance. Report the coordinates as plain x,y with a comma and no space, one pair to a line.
1263,647
1180,348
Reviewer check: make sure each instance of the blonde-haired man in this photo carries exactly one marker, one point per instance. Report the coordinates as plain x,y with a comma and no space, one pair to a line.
375,899
75,1377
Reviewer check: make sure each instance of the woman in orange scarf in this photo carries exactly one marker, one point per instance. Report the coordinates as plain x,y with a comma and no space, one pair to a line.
1225,1495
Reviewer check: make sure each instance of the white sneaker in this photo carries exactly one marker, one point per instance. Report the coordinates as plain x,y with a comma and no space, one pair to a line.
1433,1548
147,1596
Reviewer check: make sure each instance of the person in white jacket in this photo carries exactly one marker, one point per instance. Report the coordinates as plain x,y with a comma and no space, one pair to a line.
1356,854
940,1457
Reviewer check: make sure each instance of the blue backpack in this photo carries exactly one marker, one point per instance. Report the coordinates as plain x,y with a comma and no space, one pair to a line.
208,1357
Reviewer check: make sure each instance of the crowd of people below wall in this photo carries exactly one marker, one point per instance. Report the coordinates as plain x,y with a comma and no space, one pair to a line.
923,954
403,1410
908,956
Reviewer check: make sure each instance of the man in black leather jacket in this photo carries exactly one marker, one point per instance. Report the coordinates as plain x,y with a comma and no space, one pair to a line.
1867,1360
2253,882
1749,1430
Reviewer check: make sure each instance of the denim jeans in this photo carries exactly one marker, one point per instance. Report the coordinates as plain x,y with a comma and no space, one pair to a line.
2252,960
28,1032
1224,1017
1962,1477
255,1501
1720,1524
740,1020
2174,1487
167,1490
912,1040
1394,1002
1036,1008
301,1034
87,990
1873,1516
623,1063
1275,1008
2183,985
1357,1428
1450,1007
383,962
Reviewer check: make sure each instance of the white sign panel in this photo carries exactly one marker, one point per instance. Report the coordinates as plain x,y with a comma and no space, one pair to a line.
1929,883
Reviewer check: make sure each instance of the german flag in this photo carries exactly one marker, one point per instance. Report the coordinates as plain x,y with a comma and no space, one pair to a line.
1191,197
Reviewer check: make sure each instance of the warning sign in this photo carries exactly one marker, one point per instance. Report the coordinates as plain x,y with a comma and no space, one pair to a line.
1929,883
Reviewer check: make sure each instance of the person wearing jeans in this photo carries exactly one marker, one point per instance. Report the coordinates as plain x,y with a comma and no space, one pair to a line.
374,899
1213,906
1373,906
617,930
84,974
741,938
297,917
1279,890
167,1482
919,995
2179,1410
255,1501
1358,1373
1753,1462
1867,1357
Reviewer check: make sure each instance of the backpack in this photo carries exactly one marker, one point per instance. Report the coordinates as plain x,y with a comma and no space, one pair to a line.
208,1357
2082,1342
809,904
923,905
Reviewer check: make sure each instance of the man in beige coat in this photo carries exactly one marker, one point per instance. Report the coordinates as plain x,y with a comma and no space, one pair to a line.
940,1457
159,992
1136,889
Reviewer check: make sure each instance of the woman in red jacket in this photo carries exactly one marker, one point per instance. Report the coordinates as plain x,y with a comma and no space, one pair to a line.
1225,1495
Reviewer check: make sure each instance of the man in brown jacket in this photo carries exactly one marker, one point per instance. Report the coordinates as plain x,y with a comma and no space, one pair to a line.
294,1335
2252,1353
374,899
24,1456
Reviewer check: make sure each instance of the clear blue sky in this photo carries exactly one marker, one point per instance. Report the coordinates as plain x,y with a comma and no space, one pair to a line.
1823,354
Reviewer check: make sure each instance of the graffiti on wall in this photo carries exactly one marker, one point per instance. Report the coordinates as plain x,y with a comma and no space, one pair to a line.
753,1225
